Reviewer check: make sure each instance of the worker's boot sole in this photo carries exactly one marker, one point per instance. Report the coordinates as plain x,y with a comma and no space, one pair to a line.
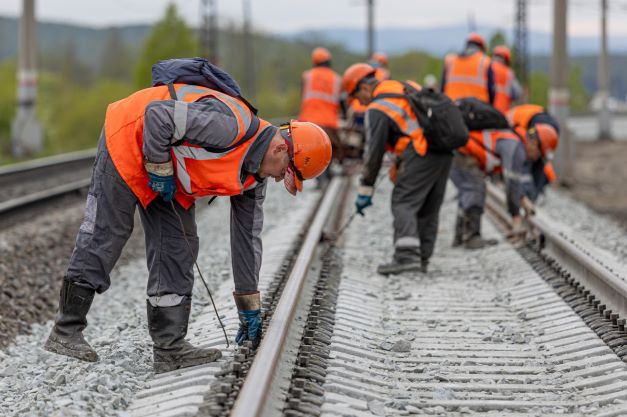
477,242
177,362
78,349
391,269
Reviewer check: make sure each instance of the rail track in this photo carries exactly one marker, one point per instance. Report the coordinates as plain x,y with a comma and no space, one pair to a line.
31,183
537,329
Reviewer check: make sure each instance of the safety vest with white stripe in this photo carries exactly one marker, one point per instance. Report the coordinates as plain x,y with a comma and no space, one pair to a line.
503,83
399,110
521,115
467,76
199,171
321,97
482,147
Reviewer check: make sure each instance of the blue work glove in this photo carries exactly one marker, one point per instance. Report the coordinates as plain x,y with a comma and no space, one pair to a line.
250,323
362,202
161,178
165,186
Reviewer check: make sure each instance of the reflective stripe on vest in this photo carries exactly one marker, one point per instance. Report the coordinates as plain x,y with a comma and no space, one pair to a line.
491,160
503,79
309,93
520,116
467,76
321,97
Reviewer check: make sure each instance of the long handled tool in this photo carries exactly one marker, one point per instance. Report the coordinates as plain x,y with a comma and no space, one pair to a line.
191,253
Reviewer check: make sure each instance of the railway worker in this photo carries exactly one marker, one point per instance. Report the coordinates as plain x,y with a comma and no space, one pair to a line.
159,155
379,61
493,151
522,118
507,88
421,176
321,99
469,73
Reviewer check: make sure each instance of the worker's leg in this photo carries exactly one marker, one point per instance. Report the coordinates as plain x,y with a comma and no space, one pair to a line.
412,186
429,213
107,225
170,283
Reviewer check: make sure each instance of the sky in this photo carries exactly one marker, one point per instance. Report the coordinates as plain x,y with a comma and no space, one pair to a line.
285,16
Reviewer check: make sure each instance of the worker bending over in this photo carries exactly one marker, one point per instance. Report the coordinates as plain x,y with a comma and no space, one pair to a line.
321,99
159,154
507,88
469,73
522,118
421,174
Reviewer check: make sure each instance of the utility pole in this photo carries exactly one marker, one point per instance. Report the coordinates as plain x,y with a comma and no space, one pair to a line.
559,94
249,62
521,49
605,126
370,28
209,30
26,134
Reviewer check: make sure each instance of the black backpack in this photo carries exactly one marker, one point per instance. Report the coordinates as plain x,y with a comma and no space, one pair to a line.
441,121
479,115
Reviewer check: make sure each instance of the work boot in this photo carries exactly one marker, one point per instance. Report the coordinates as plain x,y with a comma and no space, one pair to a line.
404,260
66,337
472,231
459,230
168,327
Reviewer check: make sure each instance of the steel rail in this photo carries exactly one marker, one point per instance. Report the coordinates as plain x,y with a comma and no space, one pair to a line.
600,279
48,162
41,196
253,395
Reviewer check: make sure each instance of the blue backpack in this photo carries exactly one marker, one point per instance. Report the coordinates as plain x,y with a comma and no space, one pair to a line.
196,71
199,71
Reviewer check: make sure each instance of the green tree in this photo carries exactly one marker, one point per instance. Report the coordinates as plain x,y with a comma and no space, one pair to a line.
7,106
497,38
170,38
116,59
540,84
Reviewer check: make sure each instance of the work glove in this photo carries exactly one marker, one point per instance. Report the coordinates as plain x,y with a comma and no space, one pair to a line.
250,320
364,199
527,205
161,179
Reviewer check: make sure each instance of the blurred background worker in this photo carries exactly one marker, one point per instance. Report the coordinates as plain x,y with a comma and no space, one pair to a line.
469,73
487,152
379,61
161,166
321,100
421,174
507,88
522,118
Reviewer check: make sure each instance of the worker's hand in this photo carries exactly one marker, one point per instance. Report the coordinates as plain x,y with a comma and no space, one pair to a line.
250,324
527,205
364,198
161,179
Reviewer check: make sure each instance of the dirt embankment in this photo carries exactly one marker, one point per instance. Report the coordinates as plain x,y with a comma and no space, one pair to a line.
601,178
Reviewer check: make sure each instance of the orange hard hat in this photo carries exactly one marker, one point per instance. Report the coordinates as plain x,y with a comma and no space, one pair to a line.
546,135
320,55
474,37
503,52
380,57
354,74
309,150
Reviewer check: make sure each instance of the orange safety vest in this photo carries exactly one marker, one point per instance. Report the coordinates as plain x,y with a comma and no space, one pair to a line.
503,79
382,74
482,146
199,172
400,111
520,116
321,97
467,76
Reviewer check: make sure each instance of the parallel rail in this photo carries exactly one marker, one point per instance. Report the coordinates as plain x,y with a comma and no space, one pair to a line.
600,279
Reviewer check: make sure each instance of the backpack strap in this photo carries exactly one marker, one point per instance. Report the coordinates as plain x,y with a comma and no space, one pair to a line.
172,91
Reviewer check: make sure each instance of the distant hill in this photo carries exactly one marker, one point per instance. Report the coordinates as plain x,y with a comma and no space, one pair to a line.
445,39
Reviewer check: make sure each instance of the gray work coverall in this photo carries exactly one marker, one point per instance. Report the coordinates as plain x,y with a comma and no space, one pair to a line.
111,205
420,185
470,179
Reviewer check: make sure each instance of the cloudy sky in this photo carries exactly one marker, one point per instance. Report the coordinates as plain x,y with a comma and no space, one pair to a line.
294,15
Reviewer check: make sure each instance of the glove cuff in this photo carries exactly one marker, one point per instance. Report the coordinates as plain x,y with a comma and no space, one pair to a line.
248,301
365,190
162,169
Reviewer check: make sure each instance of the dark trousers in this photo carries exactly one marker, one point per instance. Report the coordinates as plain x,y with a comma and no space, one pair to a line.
469,180
417,198
108,223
